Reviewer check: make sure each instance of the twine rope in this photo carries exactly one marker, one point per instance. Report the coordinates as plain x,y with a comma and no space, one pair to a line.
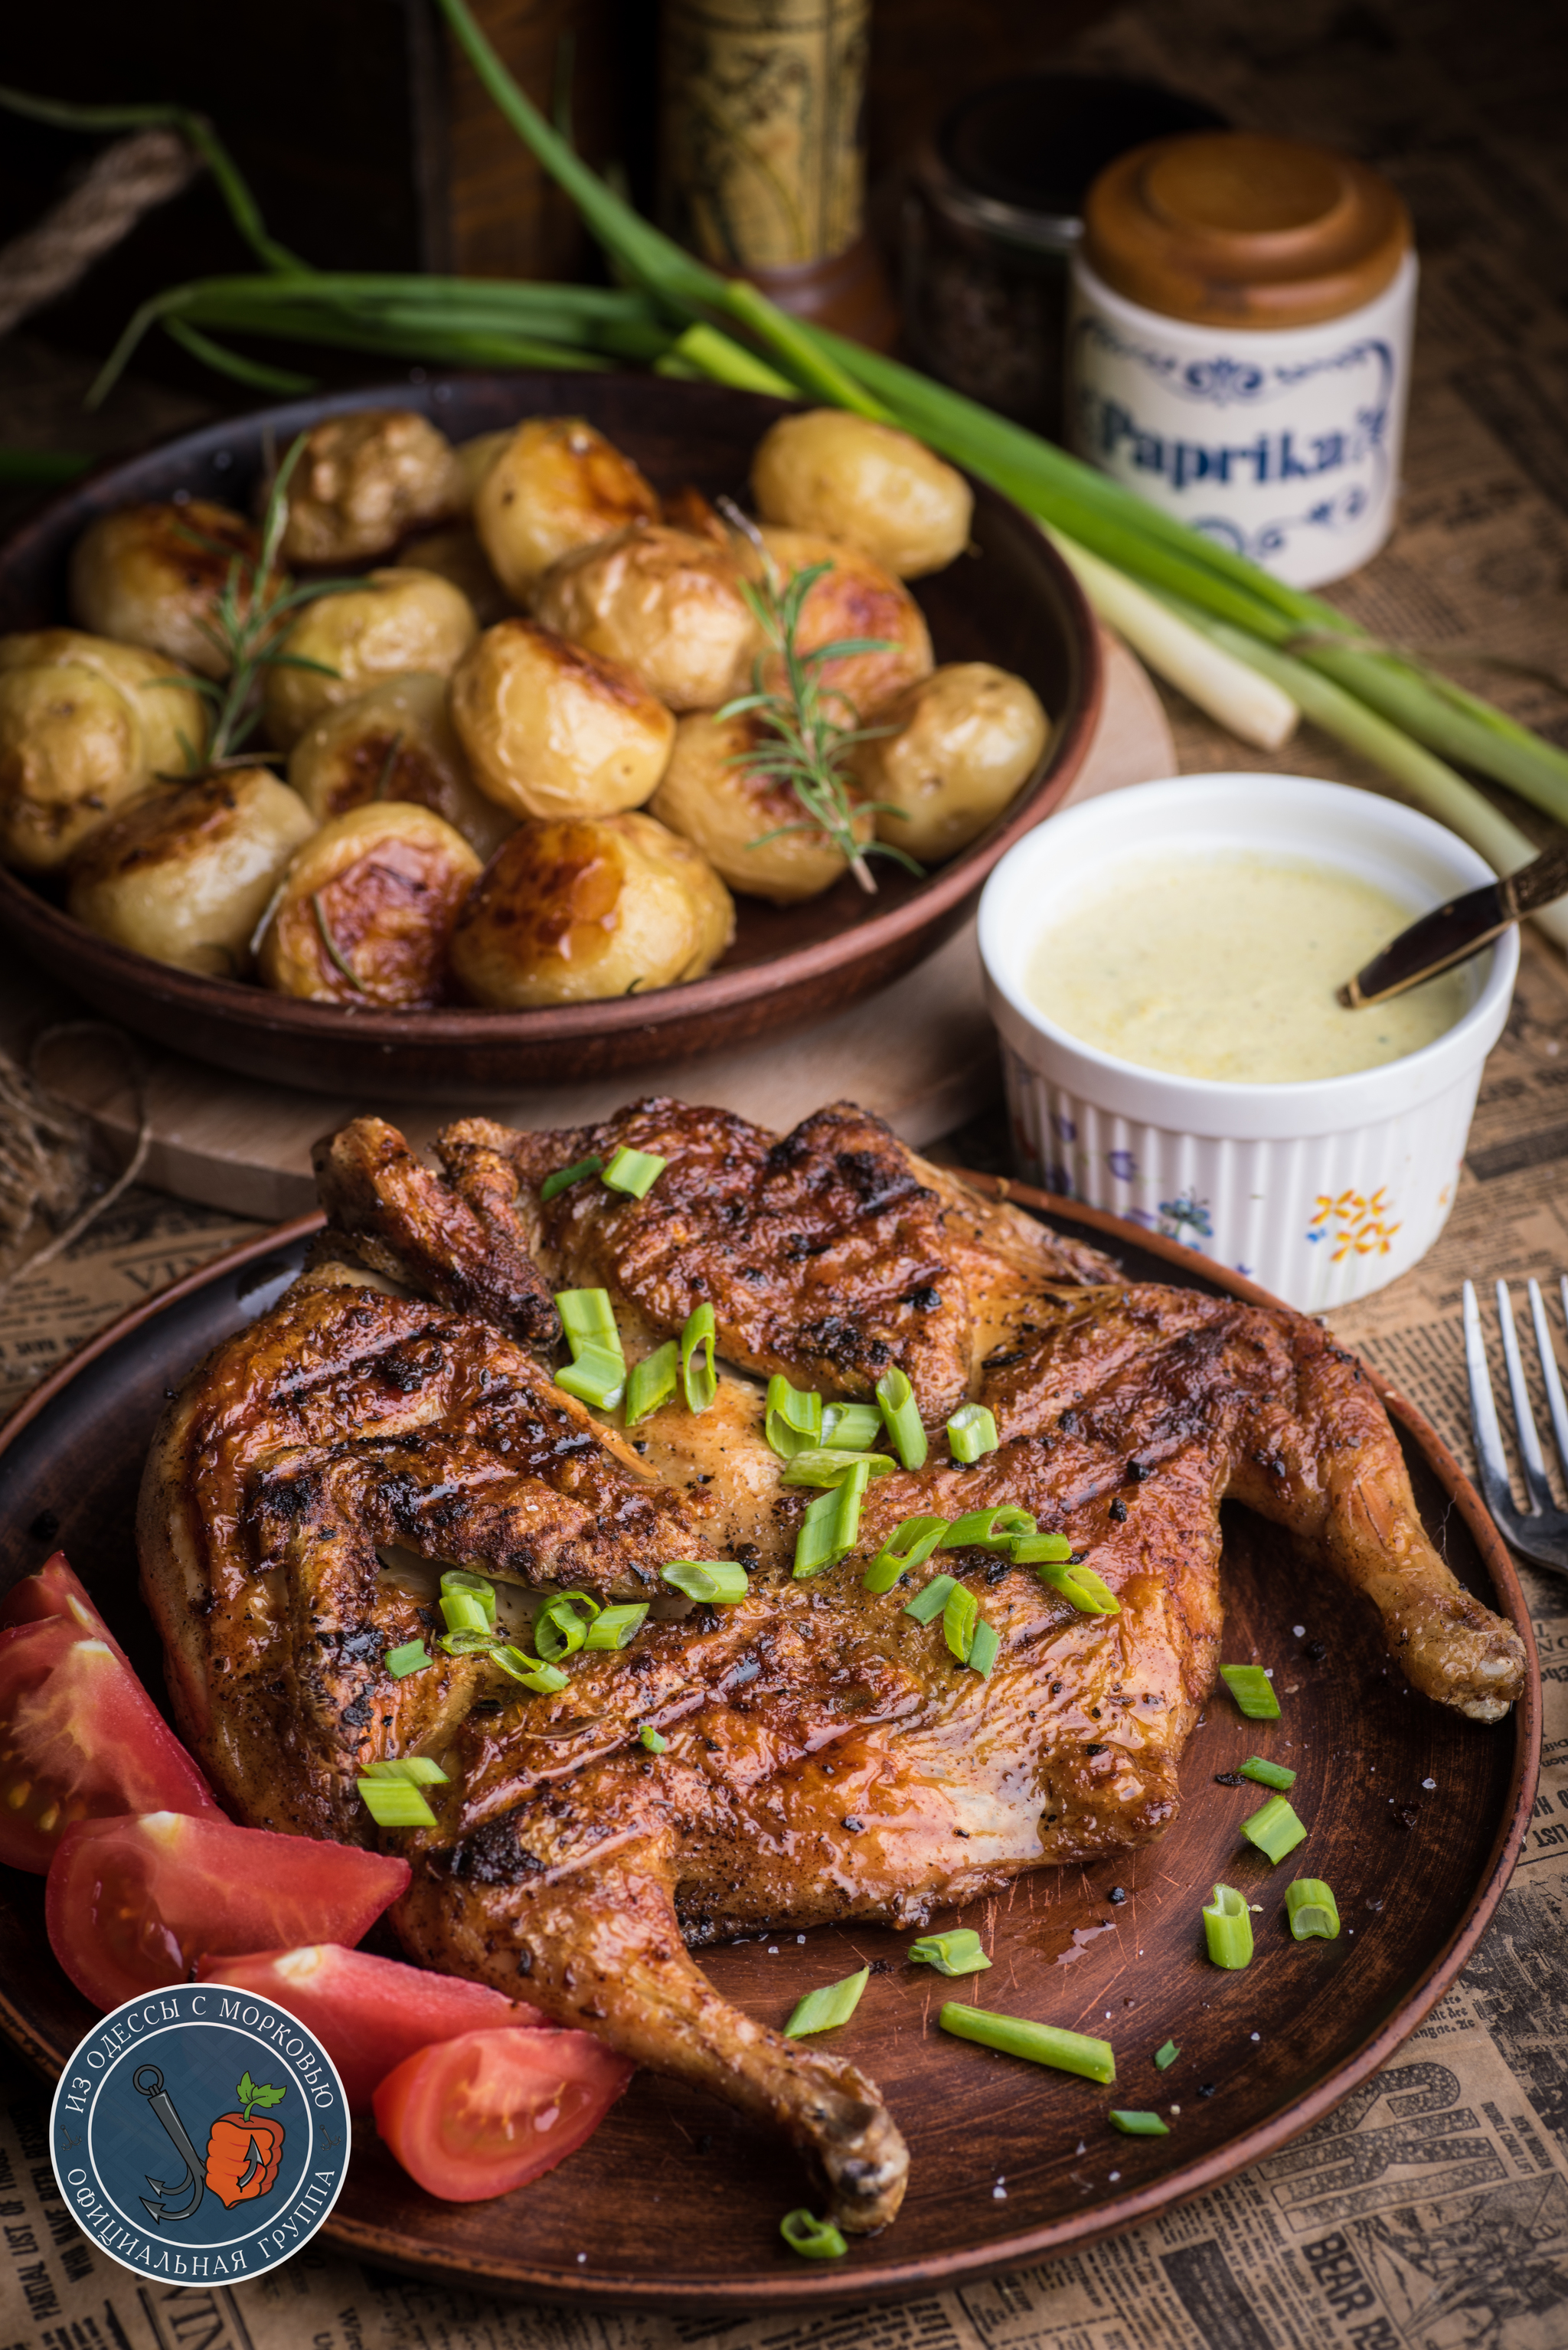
122,184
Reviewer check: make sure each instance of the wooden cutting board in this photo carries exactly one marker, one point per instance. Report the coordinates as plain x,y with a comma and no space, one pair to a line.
922,1054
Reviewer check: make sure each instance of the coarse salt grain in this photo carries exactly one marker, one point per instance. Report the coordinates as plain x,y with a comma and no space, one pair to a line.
1429,1783
1257,2036
1300,1631
1114,2176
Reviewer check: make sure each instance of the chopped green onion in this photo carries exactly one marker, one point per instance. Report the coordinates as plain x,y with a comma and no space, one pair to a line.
956,1952
825,2010
1088,1594
634,1171
558,1629
596,1378
901,1417
1227,1928
1042,2043
812,2239
699,1379
830,1528
1137,2125
650,1383
458,1578
651,1738
929,1603
1267,1775
588,1317
1166,2057
911,1542
1042,1550
983,1650
468,1643
793,1417
416,1769
718,1580
1312,1909
823,1465
396,1804
464,1611
534,1673
1254,1691
961,1613
996,1529
616,1627
972,1430
1275,1829
411,1657
563,1176
851,1426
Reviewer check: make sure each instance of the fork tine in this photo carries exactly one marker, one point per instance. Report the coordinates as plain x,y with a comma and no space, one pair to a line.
1491,1459
1549,1371
1535,1485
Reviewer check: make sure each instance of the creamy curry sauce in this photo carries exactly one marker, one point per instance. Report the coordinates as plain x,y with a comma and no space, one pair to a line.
1226,966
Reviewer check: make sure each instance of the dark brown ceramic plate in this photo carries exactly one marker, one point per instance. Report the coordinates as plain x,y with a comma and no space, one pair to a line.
1010,600
1415,1818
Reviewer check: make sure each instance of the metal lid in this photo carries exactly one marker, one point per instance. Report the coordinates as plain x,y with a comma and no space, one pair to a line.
1231,228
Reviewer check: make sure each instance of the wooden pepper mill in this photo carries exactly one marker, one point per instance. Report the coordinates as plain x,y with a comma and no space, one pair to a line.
762,169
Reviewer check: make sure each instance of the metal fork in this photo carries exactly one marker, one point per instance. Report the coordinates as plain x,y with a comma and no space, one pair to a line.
1542,1531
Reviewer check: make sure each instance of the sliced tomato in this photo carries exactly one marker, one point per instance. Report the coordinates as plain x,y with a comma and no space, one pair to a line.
133,1904
369,2013
79,1739
476,2116
56,1589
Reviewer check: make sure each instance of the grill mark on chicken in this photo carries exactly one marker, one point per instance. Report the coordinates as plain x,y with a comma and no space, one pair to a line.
826,1758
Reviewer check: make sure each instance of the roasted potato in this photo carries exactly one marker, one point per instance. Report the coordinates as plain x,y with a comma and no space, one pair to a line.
395,742
965,739
551,730
855,598
152,576
557,485
709,796
365,913
364,480
869,484
184,875
85,726
665,603
398,621
455,554
571,911
474,459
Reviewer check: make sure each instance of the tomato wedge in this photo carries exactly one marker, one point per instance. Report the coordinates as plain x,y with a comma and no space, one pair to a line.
369,2013
56,1589
79,1739
133,1904
474,2118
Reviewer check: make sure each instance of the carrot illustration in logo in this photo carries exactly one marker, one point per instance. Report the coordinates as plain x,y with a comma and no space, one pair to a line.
243,2153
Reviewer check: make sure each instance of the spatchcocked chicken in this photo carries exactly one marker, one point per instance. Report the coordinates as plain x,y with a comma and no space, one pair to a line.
825,1755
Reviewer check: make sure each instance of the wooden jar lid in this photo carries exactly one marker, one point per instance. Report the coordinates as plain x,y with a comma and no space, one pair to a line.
1228,228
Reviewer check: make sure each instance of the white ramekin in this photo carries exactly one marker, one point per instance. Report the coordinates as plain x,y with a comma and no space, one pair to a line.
1323,1190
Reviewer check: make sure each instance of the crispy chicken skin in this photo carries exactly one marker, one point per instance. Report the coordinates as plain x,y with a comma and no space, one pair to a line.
826,1757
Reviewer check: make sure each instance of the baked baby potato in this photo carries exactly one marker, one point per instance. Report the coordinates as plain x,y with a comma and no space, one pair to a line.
366,909
569,911
399,620
963,741
728,812
855,598
550,729
665,602
364,480
184,875
152,576
85,725
556,483
395,742
848,477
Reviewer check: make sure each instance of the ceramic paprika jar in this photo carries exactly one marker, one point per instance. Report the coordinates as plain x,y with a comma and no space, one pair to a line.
1239,344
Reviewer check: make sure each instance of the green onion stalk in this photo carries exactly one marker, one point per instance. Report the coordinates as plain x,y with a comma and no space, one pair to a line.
1245,645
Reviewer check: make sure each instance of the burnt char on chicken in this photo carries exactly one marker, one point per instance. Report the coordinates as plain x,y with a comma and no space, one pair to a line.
826,1759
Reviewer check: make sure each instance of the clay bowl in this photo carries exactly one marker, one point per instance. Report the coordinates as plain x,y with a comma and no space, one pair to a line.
1010,600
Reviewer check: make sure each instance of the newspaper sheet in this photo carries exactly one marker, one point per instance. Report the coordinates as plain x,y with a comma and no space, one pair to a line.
1430,2211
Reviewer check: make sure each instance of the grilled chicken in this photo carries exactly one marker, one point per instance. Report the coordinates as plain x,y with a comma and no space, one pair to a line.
826,1757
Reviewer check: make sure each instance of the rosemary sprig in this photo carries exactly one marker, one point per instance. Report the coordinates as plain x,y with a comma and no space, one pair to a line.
809,744
246,626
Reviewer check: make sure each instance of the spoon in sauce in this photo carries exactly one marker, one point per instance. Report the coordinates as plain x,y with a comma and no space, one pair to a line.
1453,933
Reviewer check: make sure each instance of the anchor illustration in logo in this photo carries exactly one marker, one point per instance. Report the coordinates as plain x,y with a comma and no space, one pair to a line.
242,2153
